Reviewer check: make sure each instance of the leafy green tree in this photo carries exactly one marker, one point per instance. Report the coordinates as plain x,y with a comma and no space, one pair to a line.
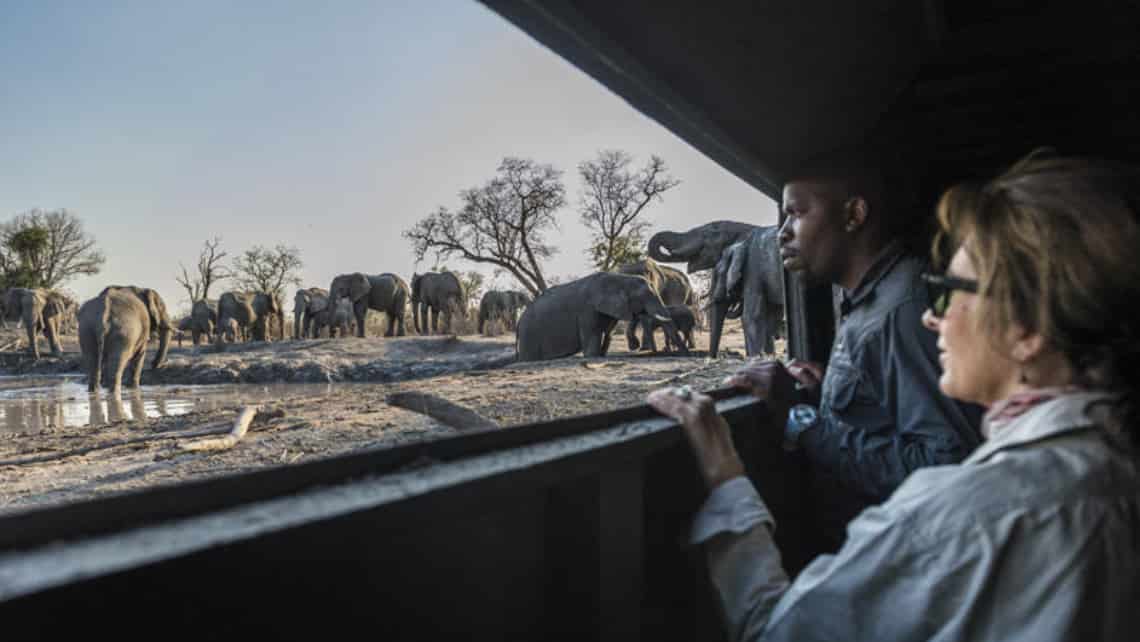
46,249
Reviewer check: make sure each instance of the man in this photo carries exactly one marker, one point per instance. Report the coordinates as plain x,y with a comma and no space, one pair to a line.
880,414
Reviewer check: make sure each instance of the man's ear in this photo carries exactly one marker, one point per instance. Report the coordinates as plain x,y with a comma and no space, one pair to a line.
855,213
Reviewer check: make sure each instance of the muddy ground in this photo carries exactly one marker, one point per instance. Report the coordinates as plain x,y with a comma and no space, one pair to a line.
57,464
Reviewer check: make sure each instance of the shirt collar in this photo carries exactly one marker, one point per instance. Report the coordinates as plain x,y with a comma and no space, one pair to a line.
865,291
1062,414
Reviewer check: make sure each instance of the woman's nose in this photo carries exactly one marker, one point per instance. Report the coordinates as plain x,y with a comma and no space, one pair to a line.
929,321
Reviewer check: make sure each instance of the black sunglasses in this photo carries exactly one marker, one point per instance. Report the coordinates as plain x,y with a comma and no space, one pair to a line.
939,287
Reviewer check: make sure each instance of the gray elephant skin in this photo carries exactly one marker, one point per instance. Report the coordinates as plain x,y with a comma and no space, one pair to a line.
747,280
387,293
252,313
684,320
114,328
307,303
673,286
578,316
342,318
203,320
503,306
41,311
437,293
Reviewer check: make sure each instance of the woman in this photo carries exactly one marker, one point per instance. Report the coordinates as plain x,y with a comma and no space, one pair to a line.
1036,535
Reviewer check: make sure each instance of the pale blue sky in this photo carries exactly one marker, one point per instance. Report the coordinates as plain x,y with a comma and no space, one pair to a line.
328,126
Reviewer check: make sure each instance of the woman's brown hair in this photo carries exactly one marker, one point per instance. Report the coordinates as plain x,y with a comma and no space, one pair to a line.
1056,243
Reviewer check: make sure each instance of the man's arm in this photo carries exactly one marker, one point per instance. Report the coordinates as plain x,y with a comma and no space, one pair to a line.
924,427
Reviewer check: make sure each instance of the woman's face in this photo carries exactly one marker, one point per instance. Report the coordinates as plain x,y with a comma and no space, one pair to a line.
973,369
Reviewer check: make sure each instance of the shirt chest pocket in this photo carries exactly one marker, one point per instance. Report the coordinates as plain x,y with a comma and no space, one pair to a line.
846,389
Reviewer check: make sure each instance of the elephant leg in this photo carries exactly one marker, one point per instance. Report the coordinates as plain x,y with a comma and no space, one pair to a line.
391,332
401,331
32,345
434,320
648,342
136,365
631,335
719,311
51,330
115,363
91,349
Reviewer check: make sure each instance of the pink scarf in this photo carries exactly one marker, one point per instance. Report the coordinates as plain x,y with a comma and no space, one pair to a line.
1004,411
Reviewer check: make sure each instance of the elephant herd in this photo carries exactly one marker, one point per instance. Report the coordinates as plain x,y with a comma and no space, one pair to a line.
115,326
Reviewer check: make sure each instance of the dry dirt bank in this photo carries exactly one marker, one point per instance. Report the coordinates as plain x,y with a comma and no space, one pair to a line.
335,419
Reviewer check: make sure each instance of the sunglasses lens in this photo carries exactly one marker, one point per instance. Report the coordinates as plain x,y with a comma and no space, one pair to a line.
940,303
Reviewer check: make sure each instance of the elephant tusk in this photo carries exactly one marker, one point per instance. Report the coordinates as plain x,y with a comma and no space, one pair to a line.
663,319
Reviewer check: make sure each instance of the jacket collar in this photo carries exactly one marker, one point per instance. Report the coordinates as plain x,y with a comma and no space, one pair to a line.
865,291
1063,414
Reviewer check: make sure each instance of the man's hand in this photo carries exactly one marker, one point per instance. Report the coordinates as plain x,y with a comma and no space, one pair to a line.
809,375
771,381
707,432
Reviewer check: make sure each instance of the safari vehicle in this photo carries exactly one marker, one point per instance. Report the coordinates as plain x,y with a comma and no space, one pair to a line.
575,529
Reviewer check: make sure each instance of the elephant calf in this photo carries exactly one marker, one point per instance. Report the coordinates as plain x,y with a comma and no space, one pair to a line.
684,320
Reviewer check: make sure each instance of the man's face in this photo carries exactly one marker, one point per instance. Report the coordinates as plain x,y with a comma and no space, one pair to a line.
812,238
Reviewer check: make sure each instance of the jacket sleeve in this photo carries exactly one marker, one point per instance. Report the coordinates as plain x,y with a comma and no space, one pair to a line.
911,423
886,583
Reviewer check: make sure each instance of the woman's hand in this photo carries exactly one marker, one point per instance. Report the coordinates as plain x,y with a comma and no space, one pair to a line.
707,432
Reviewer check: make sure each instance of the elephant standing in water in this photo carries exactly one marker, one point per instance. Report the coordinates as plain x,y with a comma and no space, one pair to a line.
307,303
747,279
114,328
500,305
251,312
387,293
578,316
41,311
437,292
670,283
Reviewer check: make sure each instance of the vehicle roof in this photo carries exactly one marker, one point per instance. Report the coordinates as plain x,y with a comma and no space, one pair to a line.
942,90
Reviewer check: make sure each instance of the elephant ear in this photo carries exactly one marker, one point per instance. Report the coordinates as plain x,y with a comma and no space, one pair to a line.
358,287
612,303
156,308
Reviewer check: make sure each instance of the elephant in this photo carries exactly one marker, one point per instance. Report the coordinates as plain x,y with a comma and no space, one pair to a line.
306,304
230,331
252,311
341,317
387,293
578,316
42,311
203,320
684,319
114,328
700,246
502,305
439,292
747,281
670,283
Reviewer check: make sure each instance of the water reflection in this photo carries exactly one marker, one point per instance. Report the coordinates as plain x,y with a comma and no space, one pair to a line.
35,404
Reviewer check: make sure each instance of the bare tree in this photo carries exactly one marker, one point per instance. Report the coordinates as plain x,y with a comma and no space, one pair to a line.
67,252
268,270
612,200
503,222
210,270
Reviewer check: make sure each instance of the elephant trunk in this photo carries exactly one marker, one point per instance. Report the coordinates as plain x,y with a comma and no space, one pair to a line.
719,311
679,245
280,325
164,335
297,315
